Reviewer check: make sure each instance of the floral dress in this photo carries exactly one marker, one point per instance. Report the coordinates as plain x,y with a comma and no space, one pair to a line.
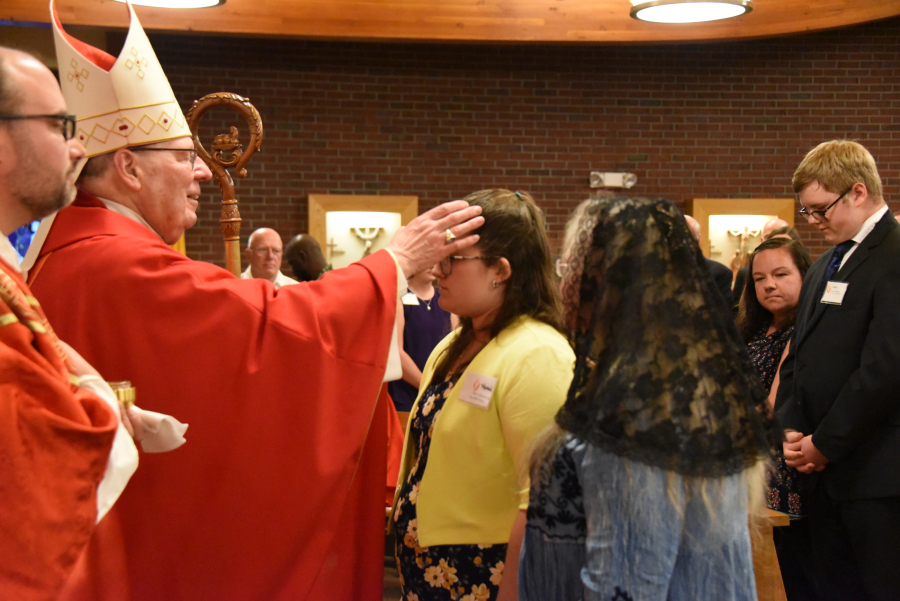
784,482
439,572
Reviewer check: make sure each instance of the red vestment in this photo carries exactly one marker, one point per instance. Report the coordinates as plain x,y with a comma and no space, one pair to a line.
279,492
55,440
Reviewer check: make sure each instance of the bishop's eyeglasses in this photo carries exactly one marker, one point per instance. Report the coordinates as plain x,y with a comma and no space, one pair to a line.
66,122
192,151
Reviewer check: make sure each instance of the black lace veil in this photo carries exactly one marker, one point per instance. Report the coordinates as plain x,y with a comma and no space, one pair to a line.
661,376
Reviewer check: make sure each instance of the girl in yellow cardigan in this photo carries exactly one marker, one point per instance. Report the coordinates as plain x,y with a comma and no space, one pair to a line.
487,390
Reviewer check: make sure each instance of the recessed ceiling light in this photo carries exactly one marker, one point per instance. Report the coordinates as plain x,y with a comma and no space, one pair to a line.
176,3
688,11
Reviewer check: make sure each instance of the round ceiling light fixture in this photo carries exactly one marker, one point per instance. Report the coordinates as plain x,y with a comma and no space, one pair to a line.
176,3
688,11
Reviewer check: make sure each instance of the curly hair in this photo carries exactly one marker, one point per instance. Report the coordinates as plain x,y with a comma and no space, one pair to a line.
661,376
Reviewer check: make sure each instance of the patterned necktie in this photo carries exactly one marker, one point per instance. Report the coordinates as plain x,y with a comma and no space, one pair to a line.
834,264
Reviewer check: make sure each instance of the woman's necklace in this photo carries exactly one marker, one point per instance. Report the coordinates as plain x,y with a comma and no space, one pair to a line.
428,303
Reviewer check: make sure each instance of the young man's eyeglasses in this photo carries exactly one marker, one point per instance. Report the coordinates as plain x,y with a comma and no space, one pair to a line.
820,215
447,262
192,151
66,122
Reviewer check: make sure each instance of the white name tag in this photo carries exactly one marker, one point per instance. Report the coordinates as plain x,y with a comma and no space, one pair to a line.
834,293
478,390
409,299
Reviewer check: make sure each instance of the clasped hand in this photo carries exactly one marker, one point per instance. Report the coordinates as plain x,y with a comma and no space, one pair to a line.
801,454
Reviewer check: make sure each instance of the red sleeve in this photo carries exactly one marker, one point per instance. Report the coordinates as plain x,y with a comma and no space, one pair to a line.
279,389
54,445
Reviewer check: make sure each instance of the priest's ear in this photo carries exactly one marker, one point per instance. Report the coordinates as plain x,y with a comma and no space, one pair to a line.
128,167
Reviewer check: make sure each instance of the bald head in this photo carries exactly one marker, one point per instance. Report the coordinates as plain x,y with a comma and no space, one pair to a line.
693,226
771,226
264,252
10,99
304,255
37,162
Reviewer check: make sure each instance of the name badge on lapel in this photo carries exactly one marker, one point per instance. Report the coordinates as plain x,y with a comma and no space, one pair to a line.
834,293
478,390
410,299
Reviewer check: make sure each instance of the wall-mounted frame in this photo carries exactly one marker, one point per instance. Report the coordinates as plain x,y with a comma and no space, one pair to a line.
702,209
320,205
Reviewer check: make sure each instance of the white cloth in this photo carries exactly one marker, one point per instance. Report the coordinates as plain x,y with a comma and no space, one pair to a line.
280,279
127,212
162,432
394,369
123,457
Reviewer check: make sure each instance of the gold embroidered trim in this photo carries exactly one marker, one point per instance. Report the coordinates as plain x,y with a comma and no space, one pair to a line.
37,326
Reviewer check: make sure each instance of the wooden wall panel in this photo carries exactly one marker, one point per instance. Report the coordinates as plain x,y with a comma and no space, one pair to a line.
511,21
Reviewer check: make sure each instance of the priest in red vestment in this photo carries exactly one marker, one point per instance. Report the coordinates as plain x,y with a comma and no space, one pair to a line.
56,435
280,493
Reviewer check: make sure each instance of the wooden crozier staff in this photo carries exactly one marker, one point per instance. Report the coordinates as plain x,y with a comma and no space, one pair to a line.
227,152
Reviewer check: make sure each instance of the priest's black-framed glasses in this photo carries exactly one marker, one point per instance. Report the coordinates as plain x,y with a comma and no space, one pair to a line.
66,122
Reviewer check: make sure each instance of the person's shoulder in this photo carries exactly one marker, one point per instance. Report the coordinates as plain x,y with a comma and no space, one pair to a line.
717,268
280,279
528,335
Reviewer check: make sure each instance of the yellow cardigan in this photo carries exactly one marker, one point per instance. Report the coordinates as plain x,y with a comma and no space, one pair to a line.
476,479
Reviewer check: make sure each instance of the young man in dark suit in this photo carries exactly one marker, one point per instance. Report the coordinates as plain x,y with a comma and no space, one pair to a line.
839,398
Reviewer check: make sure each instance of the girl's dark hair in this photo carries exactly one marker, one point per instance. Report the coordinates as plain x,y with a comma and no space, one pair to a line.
752,316
514,229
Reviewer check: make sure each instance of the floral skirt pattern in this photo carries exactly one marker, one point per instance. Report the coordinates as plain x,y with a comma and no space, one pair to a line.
439,572
785,489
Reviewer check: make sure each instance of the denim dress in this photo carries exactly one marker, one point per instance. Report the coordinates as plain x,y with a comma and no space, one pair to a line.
649,534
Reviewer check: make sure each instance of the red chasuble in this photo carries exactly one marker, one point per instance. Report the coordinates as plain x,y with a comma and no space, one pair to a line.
279,492
55,441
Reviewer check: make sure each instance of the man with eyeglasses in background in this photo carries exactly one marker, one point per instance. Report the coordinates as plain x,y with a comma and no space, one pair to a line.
264,251
839,397
64,454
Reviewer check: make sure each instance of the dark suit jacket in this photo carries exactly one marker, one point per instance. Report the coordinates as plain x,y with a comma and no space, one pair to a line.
841,380
740,281
721,276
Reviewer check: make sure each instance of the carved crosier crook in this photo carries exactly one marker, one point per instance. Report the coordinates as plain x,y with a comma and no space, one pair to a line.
227,152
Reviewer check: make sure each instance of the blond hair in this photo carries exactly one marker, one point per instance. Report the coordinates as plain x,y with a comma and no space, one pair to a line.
836,166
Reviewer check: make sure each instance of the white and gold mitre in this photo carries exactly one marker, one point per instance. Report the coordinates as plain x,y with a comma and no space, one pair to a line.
125,101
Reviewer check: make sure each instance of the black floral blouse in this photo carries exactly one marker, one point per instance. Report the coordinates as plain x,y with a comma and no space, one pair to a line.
784,489
439,572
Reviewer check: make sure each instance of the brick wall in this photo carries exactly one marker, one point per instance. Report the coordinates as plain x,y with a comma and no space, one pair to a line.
440,121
